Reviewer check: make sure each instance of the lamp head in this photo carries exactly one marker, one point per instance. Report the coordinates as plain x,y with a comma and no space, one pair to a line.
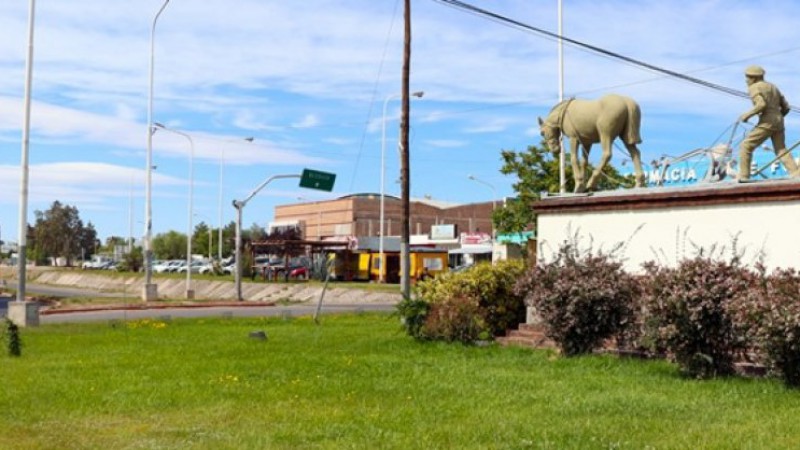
418,94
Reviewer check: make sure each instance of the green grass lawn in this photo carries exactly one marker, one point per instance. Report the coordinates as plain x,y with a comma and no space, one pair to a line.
356,381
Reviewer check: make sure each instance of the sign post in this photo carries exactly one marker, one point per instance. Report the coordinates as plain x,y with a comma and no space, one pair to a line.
312,179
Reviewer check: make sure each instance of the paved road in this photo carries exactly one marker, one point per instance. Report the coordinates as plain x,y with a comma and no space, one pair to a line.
60,291
135,313
213,311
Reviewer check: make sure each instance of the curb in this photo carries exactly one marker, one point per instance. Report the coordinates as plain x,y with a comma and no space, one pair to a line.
246,304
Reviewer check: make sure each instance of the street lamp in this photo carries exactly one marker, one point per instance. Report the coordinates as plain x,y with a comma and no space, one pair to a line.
239,205
221,170
494,197
189,291
21,317
417,94
150,290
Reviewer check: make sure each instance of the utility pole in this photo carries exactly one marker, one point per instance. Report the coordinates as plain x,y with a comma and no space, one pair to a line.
405,237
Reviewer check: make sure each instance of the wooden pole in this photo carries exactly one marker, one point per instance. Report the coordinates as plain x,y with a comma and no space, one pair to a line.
405,238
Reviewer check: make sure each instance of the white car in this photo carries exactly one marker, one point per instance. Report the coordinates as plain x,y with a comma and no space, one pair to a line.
196,265
167,266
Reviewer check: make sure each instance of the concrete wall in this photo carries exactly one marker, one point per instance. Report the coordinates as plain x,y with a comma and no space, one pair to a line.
669,224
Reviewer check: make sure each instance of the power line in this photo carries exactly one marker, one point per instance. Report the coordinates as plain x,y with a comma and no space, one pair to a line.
374,94
525,27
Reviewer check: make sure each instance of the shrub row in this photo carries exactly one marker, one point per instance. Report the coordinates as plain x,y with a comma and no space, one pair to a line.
704,314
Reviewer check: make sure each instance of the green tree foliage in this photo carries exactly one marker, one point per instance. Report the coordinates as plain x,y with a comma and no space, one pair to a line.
203,239
88,240
537,171
132,261
169,245
59,232
228,239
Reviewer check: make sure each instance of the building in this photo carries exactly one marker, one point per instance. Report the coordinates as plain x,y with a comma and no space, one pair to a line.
358,216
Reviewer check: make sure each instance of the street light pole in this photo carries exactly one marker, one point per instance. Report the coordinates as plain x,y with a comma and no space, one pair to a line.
494,198
150,290
190,213
23,188
221,171
418,94
562,164
239,205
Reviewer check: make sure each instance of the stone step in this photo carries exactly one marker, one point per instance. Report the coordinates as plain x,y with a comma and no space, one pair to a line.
527,335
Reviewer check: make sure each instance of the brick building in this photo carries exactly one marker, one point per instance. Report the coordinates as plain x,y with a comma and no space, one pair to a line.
359,215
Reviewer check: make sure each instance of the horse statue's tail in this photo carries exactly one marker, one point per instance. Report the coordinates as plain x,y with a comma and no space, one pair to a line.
631,134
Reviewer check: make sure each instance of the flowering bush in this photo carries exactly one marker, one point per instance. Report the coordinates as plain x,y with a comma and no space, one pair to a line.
582,299
770,314
690,313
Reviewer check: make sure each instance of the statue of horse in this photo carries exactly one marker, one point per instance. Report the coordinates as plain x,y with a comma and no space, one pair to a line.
586,122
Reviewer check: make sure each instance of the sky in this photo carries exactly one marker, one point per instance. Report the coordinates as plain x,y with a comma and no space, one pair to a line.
317,86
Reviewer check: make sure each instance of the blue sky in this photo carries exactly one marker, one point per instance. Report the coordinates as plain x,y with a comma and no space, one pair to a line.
309,85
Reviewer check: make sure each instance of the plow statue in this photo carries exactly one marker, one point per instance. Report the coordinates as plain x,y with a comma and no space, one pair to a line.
586,122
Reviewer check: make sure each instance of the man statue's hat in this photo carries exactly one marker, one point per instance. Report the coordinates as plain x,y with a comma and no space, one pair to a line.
754,71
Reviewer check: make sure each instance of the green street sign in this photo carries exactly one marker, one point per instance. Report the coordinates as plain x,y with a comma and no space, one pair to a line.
315,179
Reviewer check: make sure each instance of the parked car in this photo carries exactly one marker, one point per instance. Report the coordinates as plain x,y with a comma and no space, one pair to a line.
207,268
101,263
299,273
168,266
195,267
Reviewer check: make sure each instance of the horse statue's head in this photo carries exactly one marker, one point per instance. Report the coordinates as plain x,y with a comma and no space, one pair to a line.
551,134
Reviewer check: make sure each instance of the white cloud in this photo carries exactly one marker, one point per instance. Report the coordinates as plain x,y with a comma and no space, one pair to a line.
303,79
443,143
309,121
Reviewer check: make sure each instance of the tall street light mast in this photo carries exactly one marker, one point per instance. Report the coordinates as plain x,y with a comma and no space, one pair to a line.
150,292
418,94
21,312
190,212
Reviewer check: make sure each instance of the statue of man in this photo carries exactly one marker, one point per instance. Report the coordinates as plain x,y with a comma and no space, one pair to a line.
770,106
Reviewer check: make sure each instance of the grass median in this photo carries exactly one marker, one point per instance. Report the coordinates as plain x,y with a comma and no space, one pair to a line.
356,381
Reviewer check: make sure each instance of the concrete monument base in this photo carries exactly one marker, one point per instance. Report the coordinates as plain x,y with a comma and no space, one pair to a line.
150,292
24,314
756,221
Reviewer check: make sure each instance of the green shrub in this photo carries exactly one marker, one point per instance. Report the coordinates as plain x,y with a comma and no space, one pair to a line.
582,299
491,287
690,309
14,341
455,319
770,313
413,312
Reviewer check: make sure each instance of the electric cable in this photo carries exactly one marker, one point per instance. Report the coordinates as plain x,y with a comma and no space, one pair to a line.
520,25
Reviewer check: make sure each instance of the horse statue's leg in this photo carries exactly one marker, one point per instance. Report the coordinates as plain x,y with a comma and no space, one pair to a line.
636,157
578,167
604,158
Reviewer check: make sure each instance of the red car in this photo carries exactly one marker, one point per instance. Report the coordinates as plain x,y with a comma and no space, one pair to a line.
299,273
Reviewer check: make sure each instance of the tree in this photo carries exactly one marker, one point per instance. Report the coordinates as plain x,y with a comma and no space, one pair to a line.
88,240
537,170
229,238
170,245
133,260
59,232
202,239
